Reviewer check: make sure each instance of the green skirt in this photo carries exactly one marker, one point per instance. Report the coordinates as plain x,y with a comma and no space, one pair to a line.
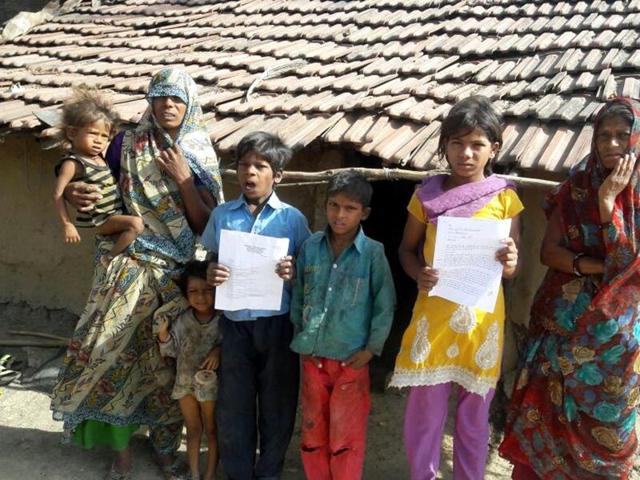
91,433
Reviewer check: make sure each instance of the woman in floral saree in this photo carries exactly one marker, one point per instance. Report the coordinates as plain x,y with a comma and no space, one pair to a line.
114,378
573,410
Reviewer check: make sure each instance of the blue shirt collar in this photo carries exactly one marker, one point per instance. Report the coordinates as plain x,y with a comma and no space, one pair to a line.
274,202
358,241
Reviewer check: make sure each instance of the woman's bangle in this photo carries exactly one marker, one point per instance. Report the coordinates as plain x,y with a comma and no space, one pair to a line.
604,225
576,264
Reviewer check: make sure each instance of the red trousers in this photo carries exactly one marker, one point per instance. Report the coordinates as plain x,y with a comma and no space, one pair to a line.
335,409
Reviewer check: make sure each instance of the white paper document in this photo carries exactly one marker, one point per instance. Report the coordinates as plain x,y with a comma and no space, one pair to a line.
465,257
253,282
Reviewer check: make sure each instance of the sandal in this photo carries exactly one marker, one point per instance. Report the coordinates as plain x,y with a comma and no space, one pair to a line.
8,376
116,475
6,361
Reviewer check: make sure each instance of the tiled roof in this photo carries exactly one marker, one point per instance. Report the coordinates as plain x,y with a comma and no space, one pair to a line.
376,74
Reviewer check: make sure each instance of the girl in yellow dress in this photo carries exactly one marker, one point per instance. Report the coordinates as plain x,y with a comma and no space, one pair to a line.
447,343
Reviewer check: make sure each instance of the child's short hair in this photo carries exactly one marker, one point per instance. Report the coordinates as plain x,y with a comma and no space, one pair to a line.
266,145
473,112
353,185
195,268
86,105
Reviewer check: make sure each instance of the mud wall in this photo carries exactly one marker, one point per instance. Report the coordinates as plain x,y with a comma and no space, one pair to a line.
36,266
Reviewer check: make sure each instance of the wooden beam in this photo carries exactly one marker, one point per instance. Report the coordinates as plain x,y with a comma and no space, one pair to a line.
376,174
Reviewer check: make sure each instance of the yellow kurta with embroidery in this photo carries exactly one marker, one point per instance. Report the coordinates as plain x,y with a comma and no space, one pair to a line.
447,342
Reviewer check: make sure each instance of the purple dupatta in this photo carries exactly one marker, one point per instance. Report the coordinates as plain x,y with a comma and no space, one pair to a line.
460,201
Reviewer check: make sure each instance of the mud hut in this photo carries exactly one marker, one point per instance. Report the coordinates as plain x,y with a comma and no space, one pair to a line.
362,83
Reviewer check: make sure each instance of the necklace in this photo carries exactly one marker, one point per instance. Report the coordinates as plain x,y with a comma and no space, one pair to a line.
208,320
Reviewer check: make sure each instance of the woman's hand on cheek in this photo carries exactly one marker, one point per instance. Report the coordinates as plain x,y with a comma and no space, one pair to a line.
173,163
427,278
615,182
618,179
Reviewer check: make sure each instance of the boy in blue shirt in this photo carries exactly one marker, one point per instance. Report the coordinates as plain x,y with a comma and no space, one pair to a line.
256,362
342,309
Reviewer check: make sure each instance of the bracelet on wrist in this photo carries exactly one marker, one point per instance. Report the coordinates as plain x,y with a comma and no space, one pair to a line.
576,264
604,225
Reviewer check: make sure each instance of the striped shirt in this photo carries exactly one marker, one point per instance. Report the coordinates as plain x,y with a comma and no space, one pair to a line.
111,201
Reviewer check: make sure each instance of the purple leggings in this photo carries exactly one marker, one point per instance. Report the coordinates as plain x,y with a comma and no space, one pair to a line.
424,422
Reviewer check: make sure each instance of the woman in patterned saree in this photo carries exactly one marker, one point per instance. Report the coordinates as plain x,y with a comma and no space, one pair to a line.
573,410
114,379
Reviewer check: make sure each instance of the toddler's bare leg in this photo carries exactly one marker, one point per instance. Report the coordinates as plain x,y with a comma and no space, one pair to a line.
191,412
128,226
209,422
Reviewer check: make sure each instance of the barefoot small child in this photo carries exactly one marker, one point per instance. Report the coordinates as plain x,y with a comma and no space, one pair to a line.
342,310
194,341
88,122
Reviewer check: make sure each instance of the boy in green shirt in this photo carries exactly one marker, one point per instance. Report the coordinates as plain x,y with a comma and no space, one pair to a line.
342,309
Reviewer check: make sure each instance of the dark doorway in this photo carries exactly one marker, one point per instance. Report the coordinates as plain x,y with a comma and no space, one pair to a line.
386,224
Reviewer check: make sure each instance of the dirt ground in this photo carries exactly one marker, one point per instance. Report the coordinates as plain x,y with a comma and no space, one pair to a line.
30,441
30,446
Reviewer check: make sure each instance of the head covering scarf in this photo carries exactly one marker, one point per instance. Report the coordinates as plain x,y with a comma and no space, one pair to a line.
573,409
192,137
148,191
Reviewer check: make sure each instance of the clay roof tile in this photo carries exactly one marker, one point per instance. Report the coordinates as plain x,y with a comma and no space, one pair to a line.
580,148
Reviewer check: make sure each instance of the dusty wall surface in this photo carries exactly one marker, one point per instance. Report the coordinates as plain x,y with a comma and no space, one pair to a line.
35,265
